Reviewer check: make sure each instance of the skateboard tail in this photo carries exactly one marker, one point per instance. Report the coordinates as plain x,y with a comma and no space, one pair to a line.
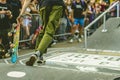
14,56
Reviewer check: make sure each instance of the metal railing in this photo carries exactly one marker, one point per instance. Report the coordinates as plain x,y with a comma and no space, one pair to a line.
40,23
104,20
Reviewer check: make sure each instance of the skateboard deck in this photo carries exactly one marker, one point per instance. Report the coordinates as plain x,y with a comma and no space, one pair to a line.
14,49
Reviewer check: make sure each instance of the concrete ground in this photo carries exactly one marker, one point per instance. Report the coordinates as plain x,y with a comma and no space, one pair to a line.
71,61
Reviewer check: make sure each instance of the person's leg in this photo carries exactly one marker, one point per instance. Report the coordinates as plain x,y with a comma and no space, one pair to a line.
73,29
81,26
48,30
27,29
62,28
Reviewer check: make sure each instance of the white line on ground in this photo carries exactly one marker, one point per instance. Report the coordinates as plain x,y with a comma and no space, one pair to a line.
99,50
6,61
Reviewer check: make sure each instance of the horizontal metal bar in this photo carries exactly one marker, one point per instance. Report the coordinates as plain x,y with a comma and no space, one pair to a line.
25,40
62,34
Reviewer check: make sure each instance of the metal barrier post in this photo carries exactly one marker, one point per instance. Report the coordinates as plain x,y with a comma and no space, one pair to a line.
85,34
29,39
104,28
103,14
118,13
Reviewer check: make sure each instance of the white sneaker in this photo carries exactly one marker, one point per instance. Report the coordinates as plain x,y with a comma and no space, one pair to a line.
82,36
41,60
79,40
54,43
71,41
76,31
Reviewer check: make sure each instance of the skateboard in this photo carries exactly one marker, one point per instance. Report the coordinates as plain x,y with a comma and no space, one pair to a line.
15,44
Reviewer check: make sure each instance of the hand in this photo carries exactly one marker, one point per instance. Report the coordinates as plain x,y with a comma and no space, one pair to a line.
12,45
19,20
8,12
84,13
9,34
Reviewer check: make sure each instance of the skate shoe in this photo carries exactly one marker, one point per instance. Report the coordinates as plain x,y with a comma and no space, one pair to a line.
79,40
71,40
41,60
32,60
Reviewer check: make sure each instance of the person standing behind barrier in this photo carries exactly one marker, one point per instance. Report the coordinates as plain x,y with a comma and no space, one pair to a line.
91,15
5,24
51,11
35,16
69,18
62,26
16,6
79,8
113,11
97,13
103,5
26,23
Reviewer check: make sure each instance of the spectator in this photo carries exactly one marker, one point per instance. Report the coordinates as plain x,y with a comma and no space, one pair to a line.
97,13
35,16
69,16
16,6
5,24
103,5
113,11
90,12
78,14
26,23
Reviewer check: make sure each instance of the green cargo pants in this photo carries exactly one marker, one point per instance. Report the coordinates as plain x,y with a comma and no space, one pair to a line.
49,28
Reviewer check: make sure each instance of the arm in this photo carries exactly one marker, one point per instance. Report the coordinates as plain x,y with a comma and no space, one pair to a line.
25,5
8,13
33,9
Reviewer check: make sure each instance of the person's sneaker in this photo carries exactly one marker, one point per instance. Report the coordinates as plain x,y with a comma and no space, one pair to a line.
71,40
32,60
82,36
41,60
79,40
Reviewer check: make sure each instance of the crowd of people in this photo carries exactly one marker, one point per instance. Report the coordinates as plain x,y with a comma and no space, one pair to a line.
77,14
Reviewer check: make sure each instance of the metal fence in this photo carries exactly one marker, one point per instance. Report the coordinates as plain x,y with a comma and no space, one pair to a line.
35,23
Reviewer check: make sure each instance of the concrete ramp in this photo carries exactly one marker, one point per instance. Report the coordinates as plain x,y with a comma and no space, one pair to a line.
109,40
